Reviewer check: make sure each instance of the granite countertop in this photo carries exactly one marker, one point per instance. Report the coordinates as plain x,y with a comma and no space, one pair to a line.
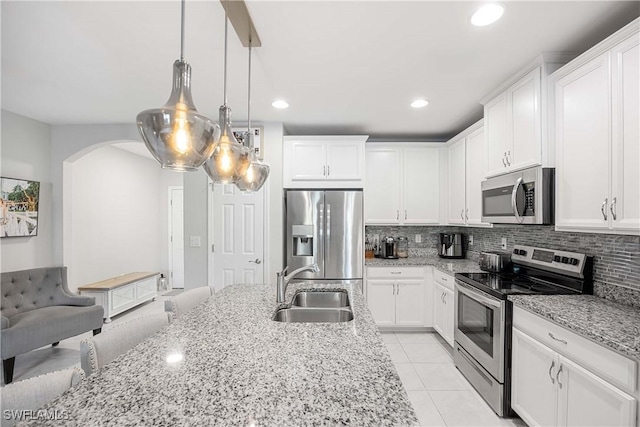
446,265
241,368
609,323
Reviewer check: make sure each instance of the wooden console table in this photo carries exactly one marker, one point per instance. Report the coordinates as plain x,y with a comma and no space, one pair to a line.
121,293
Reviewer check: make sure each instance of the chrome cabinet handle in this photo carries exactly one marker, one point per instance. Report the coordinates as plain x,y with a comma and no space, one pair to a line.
396,272
397,289
466,214
508,155
323,170
328,170
444,279
257,261
504,155
405,214
553,363
557,339
462,214
603,209
558,376
397,214
613,208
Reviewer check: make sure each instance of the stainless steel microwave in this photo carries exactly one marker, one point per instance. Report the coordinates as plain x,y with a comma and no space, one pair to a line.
523,197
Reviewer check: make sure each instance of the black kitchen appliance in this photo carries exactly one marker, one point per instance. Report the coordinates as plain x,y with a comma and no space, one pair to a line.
389,248
450,245
483,315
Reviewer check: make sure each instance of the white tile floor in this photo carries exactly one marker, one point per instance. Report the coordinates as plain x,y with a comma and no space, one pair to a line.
67,353
439,393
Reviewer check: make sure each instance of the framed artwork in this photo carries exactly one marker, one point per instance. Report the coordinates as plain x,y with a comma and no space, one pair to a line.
258,146
19,207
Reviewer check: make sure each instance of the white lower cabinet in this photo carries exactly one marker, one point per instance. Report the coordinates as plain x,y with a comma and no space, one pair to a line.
443,305
550,388
395,296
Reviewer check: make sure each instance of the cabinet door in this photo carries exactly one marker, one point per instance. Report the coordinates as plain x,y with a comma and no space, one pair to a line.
625,202
421,189
456,171
410,303
582,129
439,310
449,313
382,185
308,161
344,161
474,175
585,399
381,301
495,123
533,384
525,127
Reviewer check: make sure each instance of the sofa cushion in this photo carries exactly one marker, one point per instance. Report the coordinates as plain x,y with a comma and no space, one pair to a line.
37,328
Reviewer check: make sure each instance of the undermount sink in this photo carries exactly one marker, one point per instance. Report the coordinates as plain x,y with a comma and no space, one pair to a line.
327,299
313,315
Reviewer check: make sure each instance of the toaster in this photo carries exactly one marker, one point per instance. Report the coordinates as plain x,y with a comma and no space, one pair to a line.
495,262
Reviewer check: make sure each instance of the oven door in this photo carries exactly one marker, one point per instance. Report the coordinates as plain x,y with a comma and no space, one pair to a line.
480,328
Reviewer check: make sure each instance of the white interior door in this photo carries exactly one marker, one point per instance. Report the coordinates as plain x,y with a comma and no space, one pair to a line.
238,236
176,237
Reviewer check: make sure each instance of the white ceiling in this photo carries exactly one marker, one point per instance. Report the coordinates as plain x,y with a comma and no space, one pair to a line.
345,67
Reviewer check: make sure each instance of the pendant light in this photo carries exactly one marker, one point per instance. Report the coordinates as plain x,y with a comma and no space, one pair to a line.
230,160
258,172
177,135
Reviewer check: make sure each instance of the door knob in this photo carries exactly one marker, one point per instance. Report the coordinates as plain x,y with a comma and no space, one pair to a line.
257,261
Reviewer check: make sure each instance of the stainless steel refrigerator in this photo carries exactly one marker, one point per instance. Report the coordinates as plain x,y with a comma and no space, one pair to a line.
325,227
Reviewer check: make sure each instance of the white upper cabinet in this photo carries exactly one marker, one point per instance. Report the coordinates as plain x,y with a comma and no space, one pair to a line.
597,138
402,184
466,153
323,161
515,119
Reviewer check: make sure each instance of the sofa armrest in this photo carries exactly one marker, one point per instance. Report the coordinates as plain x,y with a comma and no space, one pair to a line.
78,300
5,322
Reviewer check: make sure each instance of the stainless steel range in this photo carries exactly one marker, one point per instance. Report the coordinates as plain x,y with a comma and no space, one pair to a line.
483,314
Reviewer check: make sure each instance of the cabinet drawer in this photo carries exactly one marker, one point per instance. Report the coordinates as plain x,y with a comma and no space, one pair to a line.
598,359
395,272
444,279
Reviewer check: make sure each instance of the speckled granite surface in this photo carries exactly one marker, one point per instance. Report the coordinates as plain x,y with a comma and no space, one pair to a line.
242,368
612,324
442,264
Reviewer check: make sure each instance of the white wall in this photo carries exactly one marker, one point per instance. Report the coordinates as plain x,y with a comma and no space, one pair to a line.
195,224
116,215
25,153
273,133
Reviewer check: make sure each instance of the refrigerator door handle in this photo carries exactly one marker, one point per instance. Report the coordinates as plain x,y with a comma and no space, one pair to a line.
327,252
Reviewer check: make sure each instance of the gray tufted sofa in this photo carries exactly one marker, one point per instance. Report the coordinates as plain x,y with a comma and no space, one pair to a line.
38,309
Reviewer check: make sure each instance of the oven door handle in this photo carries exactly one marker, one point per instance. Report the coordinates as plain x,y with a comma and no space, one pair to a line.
478,296
514,201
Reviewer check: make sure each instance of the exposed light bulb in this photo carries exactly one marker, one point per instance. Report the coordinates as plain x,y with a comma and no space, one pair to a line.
250,176
181,137
223,159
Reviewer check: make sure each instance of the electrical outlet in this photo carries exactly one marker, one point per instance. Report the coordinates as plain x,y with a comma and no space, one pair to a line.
470,240
418,238
194,241
504,243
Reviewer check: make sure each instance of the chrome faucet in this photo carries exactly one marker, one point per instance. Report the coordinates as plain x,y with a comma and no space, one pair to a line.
283,280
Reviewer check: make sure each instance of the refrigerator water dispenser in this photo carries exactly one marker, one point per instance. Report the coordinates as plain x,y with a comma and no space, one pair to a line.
302,240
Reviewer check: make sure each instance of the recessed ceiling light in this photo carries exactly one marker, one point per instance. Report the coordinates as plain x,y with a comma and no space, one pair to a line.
280,104
419,103
487,14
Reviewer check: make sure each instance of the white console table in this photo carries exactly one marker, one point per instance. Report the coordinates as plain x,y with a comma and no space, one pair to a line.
121,293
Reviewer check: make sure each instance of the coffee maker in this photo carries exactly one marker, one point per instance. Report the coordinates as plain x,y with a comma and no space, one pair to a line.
389,248
450,245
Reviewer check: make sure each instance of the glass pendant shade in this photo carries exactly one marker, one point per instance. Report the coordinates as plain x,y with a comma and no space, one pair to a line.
177,135
230,160
257,173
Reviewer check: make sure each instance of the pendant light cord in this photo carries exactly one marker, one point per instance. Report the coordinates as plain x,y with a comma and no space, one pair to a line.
226,24
182,32
249,92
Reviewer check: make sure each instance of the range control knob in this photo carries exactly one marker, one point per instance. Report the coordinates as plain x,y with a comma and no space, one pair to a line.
516,251
523,252
556,258
573,261
565,260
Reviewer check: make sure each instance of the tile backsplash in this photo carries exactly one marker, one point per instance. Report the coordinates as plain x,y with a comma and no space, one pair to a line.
616,258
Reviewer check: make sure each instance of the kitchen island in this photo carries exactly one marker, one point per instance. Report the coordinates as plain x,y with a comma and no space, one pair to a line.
239,367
